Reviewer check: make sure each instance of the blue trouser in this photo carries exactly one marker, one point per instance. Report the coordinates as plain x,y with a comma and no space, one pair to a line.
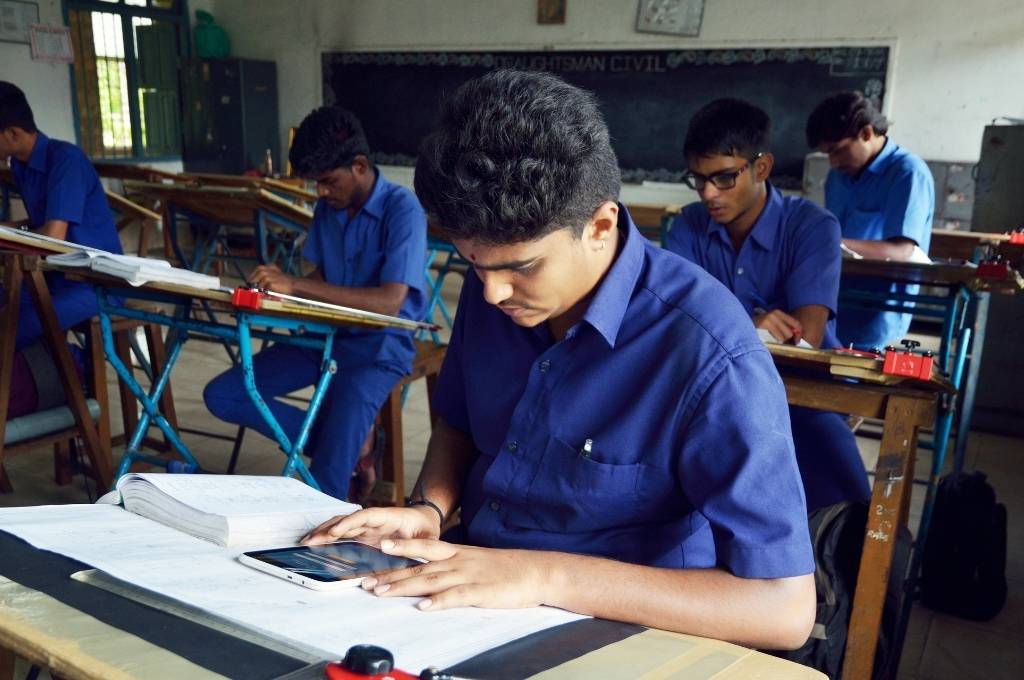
74,303
826,453
353,398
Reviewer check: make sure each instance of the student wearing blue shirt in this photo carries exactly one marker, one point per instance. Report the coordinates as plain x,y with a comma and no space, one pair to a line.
780,256
609,424
884,198
63,198
367,244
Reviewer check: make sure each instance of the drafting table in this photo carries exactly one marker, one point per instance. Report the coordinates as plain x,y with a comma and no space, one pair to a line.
653,221
953,293
276,225
285,188
19,253
81,631
834,382
284,322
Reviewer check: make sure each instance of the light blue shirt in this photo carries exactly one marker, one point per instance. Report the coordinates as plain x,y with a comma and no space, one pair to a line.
894,197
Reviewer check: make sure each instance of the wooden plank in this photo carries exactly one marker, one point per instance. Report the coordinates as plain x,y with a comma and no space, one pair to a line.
894,477
835,396
130,208
8,336
101,459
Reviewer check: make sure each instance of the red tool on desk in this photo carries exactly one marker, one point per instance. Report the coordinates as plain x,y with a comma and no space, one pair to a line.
369,662
246,298
908,363
995,267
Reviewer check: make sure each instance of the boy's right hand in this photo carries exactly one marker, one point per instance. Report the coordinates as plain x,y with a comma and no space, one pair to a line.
374,524
782,326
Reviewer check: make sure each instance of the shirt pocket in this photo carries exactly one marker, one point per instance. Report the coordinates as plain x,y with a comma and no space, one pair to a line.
363,264
575,492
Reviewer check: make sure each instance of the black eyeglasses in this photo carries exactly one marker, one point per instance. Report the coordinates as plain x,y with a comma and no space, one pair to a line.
721,180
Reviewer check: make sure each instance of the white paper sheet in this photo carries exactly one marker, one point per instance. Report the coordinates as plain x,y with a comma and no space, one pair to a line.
191,570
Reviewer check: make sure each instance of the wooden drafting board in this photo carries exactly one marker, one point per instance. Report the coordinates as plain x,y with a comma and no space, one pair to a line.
129,171
965,245
221,299
285,187
844,365
224,205
936,273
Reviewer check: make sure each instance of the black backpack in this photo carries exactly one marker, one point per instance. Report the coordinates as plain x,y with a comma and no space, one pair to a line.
837,537
964,567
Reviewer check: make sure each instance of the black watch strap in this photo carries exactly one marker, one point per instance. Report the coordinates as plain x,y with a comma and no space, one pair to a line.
424,501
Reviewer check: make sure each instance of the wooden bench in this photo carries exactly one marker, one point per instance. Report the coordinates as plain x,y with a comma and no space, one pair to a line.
390,490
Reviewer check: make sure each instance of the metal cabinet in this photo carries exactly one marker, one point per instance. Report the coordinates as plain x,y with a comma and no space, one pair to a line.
998,207
230,116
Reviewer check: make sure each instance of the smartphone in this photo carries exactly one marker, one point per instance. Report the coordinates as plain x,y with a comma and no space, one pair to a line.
325,567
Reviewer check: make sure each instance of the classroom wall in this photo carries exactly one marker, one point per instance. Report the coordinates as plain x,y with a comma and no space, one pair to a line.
955,66
47,86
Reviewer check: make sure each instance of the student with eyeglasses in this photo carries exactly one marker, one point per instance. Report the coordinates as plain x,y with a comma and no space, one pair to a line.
884,198
780,256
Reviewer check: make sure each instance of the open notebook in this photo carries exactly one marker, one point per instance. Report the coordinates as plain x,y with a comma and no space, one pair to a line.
135,270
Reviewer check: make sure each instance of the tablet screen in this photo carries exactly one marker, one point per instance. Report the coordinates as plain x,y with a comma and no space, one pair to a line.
333,561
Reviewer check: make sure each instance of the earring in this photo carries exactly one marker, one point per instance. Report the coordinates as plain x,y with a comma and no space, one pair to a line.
602,244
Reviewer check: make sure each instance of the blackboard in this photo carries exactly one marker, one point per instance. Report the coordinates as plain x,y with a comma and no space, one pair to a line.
647,96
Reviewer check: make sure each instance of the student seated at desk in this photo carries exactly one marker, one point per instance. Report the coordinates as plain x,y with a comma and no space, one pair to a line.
883,196
614,432
780,256
63,198
367,242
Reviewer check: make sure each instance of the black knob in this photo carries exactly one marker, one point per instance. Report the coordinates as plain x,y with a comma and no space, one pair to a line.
368,660
911,345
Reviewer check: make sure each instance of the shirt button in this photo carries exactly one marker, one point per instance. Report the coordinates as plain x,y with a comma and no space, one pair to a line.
512,445
740,271
495,505
545,365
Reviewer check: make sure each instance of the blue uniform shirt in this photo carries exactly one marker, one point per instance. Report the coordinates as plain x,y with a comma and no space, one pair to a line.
790,259
59,183
385,242
894,196
655,432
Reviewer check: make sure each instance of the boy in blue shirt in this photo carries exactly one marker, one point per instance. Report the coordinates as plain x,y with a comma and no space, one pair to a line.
780,256
367,244
884,198
63,198
588,423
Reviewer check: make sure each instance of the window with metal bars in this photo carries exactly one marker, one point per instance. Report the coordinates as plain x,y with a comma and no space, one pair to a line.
126,76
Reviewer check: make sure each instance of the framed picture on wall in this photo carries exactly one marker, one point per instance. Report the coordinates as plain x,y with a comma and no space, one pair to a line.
15,18
676,17
551,11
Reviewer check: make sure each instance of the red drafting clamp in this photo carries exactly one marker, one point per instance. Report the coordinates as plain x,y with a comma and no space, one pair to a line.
246,298
994,268
908,363
369,662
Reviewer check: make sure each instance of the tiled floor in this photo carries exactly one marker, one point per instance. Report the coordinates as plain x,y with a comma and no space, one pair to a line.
937,646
